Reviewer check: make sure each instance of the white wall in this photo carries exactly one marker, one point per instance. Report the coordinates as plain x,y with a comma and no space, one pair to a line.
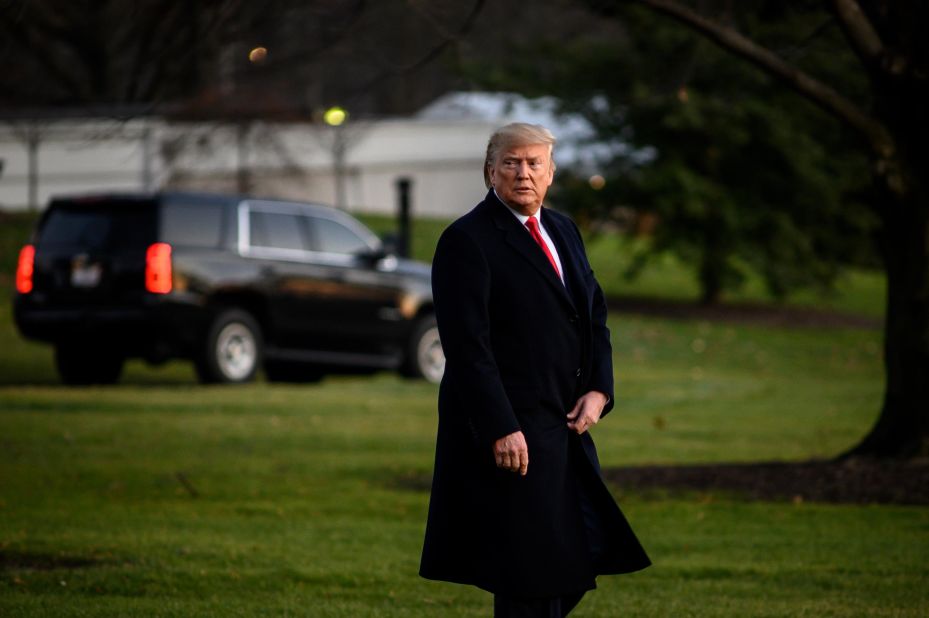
295,161
443,159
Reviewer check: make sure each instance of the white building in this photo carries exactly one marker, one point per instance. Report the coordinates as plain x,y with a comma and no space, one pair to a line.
355,165
43,158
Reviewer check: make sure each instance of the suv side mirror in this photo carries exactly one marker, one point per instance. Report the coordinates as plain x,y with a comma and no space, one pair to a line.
390,243
373,256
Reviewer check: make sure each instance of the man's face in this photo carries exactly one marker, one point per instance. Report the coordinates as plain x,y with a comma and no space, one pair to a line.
522,175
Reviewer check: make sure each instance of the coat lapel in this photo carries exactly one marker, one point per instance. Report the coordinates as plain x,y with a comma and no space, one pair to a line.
523,244
572,265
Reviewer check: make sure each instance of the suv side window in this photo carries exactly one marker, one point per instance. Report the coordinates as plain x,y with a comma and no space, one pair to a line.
195,225
333,237
275,230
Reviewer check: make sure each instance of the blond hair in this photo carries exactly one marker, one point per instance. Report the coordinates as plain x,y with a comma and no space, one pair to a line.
516,134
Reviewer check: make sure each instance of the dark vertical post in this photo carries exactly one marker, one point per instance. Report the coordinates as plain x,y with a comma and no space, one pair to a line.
404,186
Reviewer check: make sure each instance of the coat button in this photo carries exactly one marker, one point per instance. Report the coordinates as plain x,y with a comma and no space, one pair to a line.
573,319
578,374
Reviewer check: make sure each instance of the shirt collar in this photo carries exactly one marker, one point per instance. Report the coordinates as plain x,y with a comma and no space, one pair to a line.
522,218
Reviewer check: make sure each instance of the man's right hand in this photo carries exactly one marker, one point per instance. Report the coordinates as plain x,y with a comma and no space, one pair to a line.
511,453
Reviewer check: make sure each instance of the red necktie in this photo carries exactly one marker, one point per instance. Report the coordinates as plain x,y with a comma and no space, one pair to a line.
533,226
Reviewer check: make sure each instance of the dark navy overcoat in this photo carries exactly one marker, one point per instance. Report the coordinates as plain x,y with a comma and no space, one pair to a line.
521,347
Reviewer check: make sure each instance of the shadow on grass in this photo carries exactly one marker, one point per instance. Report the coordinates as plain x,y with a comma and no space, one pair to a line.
852,481
137,373
7,381
765,314
15,561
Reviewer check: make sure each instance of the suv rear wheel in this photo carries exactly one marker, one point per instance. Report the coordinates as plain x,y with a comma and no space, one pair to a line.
233,349
424,356
85,362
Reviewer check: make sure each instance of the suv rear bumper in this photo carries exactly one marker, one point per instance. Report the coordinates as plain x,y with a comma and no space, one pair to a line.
158,331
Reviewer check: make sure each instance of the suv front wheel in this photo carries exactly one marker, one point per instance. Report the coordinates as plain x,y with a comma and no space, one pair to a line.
233,349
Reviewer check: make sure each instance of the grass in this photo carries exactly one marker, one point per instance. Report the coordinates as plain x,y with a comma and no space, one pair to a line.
159,497
857,291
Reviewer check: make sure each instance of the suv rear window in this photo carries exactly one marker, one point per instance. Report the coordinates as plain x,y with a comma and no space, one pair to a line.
103,225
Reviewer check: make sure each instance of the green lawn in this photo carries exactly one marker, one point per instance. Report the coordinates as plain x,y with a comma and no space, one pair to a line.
159,497
857,291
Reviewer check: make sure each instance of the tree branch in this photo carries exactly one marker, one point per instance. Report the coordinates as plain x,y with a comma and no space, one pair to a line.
448,39
819,93
296,58
860,31
25,37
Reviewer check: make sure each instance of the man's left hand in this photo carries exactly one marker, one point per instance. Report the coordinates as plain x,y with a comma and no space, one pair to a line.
586,411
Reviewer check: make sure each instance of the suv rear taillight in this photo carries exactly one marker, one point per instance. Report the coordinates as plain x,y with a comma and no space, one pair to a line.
158,268
24,269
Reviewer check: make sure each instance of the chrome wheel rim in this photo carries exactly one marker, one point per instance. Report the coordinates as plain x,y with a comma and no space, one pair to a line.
236,351
430,357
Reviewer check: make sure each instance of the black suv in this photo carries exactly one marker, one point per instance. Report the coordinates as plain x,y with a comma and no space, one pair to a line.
231,283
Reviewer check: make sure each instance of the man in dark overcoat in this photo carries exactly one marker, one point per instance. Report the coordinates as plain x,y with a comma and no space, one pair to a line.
518,505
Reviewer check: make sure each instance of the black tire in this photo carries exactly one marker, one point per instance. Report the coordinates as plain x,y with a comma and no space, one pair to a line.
81,363
424,357
293,372
233,349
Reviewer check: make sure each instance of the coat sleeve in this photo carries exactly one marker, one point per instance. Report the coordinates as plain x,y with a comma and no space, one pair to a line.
601,350
461,289
601,369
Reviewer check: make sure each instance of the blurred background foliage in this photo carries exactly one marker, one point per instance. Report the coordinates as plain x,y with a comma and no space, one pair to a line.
712,161
724,168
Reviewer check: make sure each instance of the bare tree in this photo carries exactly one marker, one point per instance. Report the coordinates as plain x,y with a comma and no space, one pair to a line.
193,61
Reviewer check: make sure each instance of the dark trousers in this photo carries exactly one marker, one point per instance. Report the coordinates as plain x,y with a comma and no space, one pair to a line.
558,607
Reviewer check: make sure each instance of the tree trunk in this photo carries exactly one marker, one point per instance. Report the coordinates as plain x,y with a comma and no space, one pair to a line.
888,38
32,145
711,283
902,429
243,174
713,269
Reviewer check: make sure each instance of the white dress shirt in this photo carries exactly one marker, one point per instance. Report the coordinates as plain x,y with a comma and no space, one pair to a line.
548,239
